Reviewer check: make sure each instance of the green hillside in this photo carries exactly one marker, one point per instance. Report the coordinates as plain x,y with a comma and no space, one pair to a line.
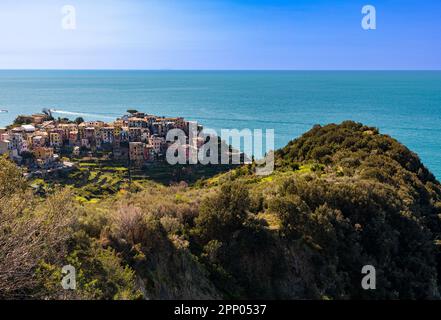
341,197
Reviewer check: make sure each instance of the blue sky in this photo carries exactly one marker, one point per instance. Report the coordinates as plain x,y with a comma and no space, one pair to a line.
220,34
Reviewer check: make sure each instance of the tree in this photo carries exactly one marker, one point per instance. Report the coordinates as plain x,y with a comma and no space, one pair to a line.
48,113
22,120
11,179
224,212
31,231
79,120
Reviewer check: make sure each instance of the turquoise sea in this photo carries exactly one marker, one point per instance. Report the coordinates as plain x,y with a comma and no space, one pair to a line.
404,104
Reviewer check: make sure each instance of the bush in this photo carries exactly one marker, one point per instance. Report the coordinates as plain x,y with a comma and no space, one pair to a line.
223,213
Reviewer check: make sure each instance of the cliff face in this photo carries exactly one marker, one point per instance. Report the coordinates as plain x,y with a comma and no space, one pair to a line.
342,197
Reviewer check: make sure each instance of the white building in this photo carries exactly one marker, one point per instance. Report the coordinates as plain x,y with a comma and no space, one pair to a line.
28,128
5,147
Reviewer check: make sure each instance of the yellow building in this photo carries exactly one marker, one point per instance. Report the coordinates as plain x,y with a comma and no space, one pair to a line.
117,130
42,153
136,152
55,139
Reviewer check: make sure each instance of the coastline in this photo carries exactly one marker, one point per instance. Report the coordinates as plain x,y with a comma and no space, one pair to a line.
280,100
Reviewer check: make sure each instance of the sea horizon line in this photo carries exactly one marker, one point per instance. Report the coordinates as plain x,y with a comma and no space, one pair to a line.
228,70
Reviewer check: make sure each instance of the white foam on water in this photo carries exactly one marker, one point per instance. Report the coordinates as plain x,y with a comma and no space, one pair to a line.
81,114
